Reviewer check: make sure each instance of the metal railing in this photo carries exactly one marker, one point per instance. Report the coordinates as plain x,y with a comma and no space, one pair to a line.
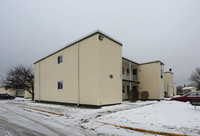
133,77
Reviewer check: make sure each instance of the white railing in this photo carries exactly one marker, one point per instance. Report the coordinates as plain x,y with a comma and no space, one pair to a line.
127,77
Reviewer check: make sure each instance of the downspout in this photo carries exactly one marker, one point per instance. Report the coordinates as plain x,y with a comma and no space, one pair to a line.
99,104
39,82
78,69
130,80
130,76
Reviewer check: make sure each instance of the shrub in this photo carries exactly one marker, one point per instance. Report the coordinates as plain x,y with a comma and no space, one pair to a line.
144,95
134,95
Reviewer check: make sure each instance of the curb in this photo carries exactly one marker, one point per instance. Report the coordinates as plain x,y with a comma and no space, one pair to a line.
45,111
143,130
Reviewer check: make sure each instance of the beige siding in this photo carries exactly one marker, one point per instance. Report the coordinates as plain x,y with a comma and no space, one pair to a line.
88,71
27,95
37,81
151,81
110,63
8,91
51,73
168,83
161,82
175,92
85,73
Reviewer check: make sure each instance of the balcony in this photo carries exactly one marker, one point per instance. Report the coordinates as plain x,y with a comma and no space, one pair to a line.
127,77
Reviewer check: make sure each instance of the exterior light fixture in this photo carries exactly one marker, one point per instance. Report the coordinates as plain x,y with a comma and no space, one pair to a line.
101,37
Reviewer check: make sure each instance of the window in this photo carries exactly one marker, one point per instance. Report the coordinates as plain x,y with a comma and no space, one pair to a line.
123,90
192,94
135,71
123,71
161,73
60,59
127,70
128,88
135,74
135,88
60,85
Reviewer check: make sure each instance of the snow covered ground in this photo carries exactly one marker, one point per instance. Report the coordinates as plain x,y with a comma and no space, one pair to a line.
164,116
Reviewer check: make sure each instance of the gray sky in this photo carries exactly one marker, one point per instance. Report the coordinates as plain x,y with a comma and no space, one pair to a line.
167,30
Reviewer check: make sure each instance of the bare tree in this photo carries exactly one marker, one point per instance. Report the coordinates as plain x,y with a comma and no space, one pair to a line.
195,77
20,77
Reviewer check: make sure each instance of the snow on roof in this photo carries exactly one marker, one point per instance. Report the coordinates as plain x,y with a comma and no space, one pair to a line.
189,87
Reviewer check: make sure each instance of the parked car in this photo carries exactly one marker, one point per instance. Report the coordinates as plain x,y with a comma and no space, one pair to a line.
187,96
6,96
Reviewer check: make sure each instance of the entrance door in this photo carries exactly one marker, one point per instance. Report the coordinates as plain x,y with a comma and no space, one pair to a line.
123,93
135,88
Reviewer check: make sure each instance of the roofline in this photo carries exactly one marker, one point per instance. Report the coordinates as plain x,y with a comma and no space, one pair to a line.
81,39
130,81
169,72
152,62
130,60
188,87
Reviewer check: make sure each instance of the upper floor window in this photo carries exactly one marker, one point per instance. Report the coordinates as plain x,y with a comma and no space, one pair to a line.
135,71
60,85
60,59
161,73
135,74
127,71
123,71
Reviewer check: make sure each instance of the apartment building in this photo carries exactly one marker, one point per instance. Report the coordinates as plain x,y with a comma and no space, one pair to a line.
91,71
85,72
143,77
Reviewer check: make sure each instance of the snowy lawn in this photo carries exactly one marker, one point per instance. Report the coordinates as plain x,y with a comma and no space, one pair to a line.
164,116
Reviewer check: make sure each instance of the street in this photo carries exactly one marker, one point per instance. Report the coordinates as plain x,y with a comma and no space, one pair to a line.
15,121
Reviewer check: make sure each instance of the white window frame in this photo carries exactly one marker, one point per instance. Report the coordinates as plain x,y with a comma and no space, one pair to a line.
57,59
60,81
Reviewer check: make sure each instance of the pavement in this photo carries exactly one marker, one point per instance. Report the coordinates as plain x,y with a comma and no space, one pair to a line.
15,121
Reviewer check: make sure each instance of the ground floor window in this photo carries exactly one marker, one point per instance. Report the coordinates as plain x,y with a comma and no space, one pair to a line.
60,85
128,88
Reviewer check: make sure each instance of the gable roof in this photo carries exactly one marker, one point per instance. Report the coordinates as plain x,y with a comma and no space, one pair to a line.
81,39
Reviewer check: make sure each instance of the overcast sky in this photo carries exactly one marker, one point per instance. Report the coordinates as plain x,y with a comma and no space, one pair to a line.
167,30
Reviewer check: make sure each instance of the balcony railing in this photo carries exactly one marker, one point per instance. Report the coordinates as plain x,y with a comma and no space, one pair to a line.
133,77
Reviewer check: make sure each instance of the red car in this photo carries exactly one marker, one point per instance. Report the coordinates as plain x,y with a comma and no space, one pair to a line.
187,96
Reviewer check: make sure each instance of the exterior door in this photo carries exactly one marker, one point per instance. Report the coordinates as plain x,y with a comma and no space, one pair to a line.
123,93
135,88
